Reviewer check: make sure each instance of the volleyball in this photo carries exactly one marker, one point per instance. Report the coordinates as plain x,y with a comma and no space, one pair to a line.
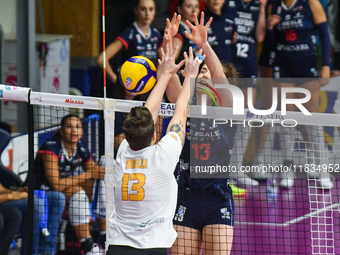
138,75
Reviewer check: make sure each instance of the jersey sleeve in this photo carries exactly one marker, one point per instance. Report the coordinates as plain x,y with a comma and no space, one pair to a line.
171,146
125,35
123,146
49,147
180,33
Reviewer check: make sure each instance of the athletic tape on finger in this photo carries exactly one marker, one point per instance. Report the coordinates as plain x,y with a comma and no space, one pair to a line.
200,56
199,60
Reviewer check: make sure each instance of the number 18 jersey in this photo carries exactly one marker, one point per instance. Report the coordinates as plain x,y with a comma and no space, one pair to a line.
145,194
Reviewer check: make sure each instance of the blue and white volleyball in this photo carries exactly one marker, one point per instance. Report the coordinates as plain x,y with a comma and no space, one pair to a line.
138,75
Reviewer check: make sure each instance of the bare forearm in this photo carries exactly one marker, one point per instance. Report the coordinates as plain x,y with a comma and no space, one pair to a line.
154,100
5,197
65,183
173,89
3,190
212,61
261,24
183,100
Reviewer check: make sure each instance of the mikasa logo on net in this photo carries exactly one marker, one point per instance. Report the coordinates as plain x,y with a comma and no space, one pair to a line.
261,116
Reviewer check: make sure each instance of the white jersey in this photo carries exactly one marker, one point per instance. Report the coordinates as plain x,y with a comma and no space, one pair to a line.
145,194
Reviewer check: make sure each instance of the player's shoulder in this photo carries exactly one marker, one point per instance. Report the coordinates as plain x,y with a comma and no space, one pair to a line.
129,31
230,6
124,145
53,143
131,27
170,138
51,146
255,5
155,30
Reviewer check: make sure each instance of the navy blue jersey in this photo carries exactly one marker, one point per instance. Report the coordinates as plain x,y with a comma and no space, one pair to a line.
245,49
205,145
68,166
295,33
220,31
137,44
186,42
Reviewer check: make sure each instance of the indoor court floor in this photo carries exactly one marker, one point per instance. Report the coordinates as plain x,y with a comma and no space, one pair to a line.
300,220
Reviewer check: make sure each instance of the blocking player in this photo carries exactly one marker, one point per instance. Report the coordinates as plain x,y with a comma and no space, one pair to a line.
205,208
145,186
293,25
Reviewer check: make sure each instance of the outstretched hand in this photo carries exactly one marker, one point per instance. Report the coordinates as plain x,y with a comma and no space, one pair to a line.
167,64
171,30
191,64
172,26
199,33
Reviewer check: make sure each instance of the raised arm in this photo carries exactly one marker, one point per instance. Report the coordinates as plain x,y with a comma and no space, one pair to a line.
110,52
171,30
320,22
174,85
261,22
167,68
199,36
178,121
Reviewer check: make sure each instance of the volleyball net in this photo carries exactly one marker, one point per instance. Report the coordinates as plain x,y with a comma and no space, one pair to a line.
268,219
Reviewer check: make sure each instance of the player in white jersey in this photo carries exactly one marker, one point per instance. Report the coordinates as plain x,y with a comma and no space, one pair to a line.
145,186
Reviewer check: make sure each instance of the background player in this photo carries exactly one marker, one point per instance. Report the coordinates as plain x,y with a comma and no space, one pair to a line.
221,30
186,8
138,39
145,187
250,26
205,207
266,61
295,24
64,164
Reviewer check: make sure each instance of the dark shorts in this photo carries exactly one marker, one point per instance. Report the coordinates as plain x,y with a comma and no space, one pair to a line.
199,208
296,71
127,250
266,58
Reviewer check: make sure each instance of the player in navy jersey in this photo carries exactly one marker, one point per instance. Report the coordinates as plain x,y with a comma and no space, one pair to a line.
205,207
250,27
266,61
220,32
137,39
292,25
64,164
186,8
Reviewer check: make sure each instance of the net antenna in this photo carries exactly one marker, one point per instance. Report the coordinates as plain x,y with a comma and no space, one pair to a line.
104,47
